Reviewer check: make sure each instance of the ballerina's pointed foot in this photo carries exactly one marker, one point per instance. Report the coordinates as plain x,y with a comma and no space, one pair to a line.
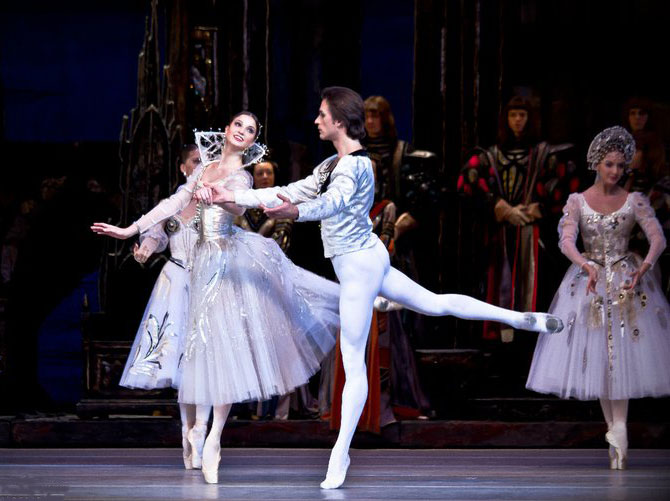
618,440
541,322
211,456
196,439
336,474
187,451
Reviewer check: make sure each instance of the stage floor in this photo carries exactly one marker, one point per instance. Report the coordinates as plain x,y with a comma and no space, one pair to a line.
294,474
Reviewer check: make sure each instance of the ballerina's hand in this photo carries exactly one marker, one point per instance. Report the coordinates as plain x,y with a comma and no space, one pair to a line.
204,195
636,276
110,230
141,253
287,210
593,278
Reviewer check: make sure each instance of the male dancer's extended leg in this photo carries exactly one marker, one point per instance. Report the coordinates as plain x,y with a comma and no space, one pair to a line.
400,288
360,274
363,275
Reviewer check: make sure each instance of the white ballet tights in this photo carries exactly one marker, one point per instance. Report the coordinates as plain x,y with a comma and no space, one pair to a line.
363,275
192,414
213,442
187,413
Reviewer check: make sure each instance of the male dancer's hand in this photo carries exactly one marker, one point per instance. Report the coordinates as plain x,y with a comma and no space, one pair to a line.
219,194
287,210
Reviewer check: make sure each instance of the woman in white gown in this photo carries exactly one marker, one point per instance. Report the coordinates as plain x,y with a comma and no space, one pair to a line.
259,325
617,344
154,357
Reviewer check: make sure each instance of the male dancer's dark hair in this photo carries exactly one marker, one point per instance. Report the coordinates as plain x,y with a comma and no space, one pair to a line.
346,106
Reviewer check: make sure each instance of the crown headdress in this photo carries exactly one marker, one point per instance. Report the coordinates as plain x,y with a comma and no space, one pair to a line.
210,146
612,139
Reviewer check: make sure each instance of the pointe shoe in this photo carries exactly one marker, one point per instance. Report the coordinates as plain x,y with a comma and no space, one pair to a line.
541,322
618,440
613,458
335,476
196,439
211,470
187,451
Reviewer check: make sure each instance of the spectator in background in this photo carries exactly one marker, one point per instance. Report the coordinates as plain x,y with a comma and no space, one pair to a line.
649,165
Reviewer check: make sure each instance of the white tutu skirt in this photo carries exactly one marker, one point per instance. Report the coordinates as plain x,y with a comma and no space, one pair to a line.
260,325
616,343
154,357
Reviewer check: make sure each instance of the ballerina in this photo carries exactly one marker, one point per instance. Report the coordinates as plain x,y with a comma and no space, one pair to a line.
616,345
340,193
259,325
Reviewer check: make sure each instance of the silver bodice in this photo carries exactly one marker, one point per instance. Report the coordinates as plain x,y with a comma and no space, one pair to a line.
606,236
213,222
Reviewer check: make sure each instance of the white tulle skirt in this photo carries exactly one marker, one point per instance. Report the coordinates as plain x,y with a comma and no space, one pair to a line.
616,343
259,325
154,357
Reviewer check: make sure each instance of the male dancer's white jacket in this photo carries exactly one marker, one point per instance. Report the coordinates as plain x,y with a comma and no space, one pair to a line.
343,208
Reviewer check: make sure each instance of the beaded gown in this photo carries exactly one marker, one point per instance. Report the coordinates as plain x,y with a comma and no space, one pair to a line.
616,344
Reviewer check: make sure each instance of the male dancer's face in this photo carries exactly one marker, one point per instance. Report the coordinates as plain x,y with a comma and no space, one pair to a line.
328,128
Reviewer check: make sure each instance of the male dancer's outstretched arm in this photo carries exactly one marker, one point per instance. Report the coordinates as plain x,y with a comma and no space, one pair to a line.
299,200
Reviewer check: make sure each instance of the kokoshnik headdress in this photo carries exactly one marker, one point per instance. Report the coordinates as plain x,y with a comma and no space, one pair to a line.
210,146
611,139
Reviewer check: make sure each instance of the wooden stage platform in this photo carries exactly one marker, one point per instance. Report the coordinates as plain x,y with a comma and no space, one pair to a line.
294,474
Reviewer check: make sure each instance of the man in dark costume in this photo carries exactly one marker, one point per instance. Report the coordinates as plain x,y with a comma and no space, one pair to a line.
522,184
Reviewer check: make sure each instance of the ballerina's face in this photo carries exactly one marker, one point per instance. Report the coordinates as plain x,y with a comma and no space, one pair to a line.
241,132
611,167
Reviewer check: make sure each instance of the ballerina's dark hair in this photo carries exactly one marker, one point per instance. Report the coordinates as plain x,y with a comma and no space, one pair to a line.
186,151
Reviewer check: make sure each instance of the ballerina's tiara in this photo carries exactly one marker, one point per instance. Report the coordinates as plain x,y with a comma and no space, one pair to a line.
210,145
612,139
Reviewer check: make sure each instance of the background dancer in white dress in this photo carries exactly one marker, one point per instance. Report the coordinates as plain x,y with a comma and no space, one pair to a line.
340,193
259,325
617,344
154,358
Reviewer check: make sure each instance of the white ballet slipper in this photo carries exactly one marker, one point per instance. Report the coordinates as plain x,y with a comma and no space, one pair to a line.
336,474
196,438
210,467
187,451
541,322
617,437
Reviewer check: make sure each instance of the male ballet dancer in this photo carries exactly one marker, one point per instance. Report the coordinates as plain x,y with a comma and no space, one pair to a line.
340,193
